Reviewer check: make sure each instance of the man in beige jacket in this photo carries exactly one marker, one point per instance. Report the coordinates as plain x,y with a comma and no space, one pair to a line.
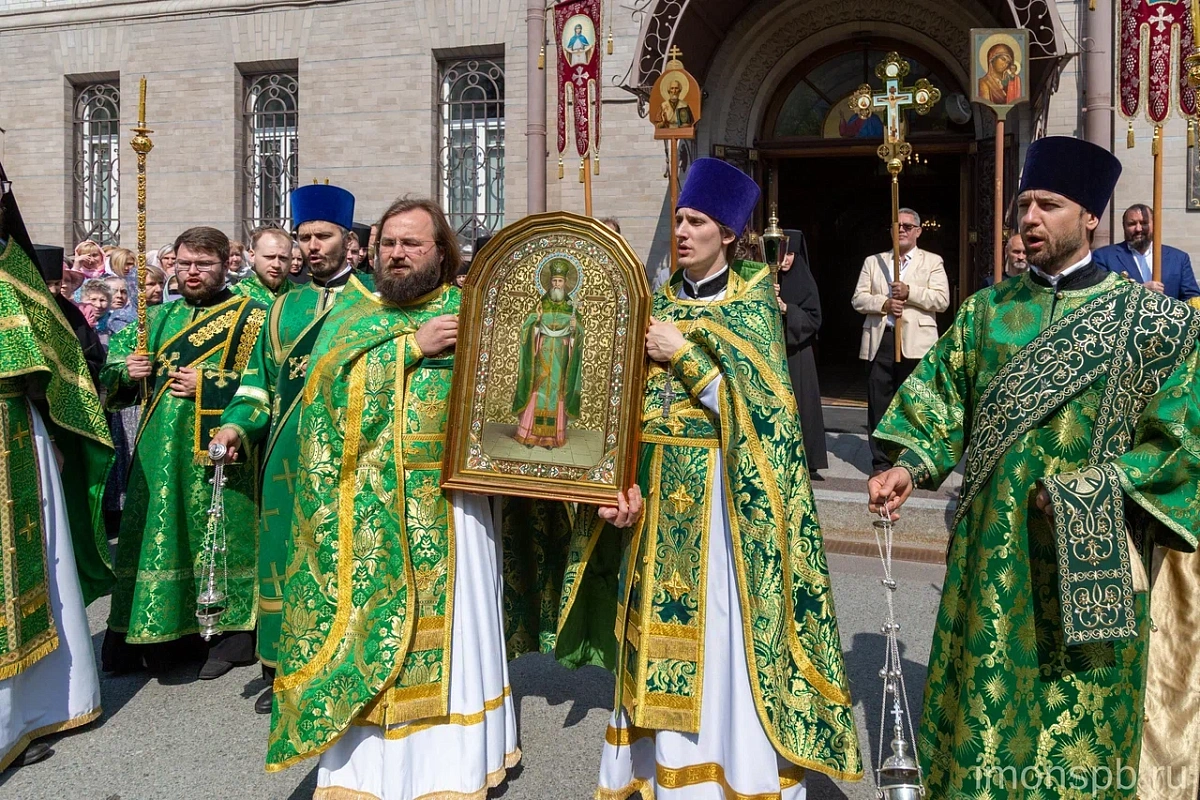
916,298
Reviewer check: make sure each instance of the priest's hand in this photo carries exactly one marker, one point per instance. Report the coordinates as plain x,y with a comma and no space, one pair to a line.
778,299
138,365
889,489
1044,504
1156,286
894,307
663,340
629,508
229,437
183,382
438,334
900,291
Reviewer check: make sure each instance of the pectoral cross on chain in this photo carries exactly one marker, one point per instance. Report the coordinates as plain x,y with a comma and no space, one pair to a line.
668,397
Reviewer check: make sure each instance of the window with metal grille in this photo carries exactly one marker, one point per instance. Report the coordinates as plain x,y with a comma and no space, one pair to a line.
97,172
471,158
270,139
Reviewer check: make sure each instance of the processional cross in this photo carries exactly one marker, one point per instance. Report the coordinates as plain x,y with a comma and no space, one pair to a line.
895,97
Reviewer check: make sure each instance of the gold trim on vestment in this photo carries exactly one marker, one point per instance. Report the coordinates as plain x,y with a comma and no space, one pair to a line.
493,780
47,730
347,488
678,441
402,730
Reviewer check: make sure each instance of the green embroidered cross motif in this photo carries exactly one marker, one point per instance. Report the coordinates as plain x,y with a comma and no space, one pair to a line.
21,436
168,364
276,580
682,500
287,475
30,528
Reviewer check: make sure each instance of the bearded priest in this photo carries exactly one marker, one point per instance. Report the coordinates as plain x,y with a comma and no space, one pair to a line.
265,412
392,653
198,347
1073,395
730,677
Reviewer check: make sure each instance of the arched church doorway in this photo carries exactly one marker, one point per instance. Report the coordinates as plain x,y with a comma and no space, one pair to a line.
819,164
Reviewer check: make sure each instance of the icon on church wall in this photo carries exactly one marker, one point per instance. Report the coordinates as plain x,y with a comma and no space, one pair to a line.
553,325
579,40
997,69
675,101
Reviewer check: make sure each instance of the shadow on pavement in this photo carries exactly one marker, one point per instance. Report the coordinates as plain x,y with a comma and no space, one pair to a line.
306,788
539,675
863,662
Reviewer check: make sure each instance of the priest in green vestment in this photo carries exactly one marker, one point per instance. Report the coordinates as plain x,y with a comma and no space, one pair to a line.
730,675
270,256
198,347
1073,395
53,550
265,408
391,656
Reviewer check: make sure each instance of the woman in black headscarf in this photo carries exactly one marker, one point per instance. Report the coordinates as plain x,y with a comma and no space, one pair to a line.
801,307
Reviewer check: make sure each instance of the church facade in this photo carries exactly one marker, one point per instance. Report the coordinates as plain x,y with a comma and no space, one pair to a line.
247,98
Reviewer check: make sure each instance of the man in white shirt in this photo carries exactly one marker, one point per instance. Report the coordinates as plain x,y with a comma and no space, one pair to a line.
921,293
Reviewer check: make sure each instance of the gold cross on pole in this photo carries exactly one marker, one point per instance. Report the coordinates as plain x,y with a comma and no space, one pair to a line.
894,151
286,475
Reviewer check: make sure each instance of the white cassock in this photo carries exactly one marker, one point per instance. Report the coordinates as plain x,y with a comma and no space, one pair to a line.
731,756
62,690
469,753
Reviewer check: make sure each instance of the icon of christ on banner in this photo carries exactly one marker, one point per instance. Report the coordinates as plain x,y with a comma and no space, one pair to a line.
548,374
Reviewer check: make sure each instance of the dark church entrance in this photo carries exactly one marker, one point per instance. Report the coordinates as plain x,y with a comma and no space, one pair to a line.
843,205
818,162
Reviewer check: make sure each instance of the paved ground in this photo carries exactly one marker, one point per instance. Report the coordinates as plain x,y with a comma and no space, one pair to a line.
176,738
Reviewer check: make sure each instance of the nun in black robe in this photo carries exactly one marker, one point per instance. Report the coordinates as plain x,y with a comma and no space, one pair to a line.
801,322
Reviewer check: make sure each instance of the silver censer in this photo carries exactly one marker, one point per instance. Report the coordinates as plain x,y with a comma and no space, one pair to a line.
210,603
898,777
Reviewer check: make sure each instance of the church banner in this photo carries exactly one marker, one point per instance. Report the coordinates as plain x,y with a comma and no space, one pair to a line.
1155,35
576,29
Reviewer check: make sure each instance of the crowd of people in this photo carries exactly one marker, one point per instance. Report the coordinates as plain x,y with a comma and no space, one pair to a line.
384,610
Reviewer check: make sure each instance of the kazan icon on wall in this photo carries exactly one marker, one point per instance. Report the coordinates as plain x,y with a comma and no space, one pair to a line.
997,77
579,40
553,324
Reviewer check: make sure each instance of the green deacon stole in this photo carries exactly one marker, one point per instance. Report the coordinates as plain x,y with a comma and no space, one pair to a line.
228,330
791,640
40,356
1127,341
293,367
368,597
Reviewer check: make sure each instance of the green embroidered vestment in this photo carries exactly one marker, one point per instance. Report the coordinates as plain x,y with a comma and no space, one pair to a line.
649,586
165,517
252,286
1037,670
368,597
41,363
266,409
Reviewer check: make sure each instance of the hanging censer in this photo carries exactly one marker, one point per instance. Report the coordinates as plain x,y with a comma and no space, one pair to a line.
210,603
899,776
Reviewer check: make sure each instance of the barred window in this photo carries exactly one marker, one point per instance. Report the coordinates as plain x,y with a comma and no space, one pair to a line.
270,122
97,173
471,158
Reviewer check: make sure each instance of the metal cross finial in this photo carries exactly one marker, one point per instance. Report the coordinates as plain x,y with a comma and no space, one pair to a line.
675,53
895,97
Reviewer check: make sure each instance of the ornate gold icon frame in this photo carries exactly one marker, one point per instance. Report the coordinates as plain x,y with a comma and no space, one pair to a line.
602,310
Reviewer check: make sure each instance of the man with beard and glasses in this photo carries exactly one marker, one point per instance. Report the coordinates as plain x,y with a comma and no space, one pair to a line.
198,347
1134,258
1073,394
392,660
270,257
265,408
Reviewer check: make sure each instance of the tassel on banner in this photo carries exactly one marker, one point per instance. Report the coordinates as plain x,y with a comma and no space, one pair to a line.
1191,140
582,169
610,39
542,57
1129,139
560,168
596,163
